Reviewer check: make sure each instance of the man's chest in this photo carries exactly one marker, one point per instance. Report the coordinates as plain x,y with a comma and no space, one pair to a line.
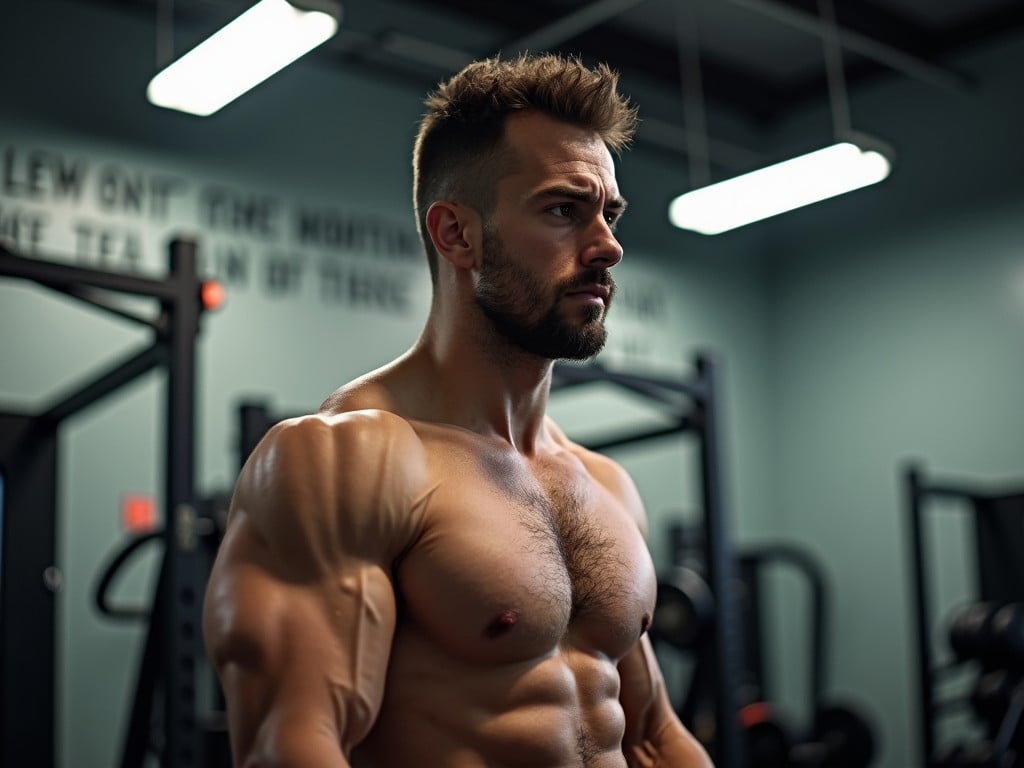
517,556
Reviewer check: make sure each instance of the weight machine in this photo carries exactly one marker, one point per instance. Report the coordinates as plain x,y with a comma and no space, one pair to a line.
998,523
29,578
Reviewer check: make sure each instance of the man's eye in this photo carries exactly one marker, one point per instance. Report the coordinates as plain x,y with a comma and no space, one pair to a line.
565,209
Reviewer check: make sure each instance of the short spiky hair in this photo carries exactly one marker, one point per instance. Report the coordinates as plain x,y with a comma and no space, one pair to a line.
459,153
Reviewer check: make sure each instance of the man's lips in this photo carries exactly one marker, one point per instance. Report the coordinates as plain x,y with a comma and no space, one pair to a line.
592,291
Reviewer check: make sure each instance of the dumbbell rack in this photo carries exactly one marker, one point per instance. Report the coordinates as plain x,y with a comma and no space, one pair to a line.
999,542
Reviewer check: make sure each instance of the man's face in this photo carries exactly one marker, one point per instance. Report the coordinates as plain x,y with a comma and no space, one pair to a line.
544,280
529,313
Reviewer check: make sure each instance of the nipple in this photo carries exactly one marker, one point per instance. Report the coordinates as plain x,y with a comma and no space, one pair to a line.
502,623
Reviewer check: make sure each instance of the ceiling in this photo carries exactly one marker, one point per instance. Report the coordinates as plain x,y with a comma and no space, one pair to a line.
756,61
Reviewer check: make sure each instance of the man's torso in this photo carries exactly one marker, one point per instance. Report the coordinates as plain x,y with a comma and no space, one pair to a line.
528,582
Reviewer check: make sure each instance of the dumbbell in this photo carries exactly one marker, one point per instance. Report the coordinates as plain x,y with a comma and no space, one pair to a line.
970,631
1008,636
684,608
991,694
841,738
991,633
766,737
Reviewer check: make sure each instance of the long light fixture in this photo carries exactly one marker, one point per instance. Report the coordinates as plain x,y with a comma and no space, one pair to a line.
819,175
852,162
260,42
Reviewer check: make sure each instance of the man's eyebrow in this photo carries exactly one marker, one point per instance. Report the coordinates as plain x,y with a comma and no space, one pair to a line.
583,195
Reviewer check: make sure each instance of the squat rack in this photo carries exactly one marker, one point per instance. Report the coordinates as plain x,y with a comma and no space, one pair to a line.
29,578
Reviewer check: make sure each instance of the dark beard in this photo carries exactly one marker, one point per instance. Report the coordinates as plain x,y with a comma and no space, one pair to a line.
507,293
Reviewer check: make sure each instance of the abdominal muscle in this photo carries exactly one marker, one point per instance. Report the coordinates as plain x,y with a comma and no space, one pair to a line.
555,711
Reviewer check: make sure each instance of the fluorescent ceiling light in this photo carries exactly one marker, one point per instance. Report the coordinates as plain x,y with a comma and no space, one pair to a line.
262,41
794,183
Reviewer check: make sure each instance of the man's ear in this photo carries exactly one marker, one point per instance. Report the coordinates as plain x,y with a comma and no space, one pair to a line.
455,231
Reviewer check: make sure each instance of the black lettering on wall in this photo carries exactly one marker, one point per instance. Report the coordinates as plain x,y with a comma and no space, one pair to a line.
40,175
107,247
231,264
137,193
225,210
284,274
364,288
332,282
343,232
23,229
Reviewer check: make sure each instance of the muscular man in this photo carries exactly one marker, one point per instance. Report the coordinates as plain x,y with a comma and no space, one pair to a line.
428,573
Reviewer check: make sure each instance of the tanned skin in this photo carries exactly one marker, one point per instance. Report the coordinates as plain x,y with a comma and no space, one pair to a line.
428,572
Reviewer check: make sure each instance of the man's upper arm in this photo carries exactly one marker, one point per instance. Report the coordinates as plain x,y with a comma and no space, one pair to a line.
300,609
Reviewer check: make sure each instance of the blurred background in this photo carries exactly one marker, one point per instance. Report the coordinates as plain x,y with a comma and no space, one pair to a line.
852,339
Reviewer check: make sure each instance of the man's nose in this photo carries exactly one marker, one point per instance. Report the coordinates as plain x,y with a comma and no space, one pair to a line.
602,248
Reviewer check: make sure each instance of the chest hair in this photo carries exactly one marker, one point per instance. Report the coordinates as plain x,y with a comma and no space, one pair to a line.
560,512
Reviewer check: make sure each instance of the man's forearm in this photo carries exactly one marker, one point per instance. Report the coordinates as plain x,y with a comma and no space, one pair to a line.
672,746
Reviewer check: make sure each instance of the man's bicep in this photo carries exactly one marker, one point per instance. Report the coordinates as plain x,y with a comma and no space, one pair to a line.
301,662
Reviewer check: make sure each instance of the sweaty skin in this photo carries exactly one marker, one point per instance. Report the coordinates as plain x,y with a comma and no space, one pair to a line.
428,572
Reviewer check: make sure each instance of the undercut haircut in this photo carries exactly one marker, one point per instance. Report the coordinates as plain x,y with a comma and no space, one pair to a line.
460,153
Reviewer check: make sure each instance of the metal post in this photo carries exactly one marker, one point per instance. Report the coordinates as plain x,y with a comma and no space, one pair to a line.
29,582
728,633
183,746
915,496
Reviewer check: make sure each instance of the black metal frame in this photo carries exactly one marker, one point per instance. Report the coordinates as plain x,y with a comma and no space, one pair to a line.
918,491
753,561
28,457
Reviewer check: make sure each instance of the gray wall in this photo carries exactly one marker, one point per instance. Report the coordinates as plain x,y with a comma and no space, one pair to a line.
852,335
897,318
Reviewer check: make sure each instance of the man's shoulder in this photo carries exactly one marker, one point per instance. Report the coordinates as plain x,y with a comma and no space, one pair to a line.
353,453
355,477
341,440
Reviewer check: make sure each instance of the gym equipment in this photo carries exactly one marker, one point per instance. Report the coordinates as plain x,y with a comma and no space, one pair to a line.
990,633
28,457
768,739
841,738
975,635
992,694
685,609
970,631
1008,636
143,736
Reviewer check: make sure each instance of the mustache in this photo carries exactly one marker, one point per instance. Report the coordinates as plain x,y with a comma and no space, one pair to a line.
595,276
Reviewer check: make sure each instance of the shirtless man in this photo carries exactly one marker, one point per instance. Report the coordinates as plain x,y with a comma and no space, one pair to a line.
428,573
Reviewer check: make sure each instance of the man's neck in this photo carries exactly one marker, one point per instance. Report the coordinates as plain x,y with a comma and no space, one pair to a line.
485,385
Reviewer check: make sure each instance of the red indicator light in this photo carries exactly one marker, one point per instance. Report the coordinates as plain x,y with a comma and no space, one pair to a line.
138,513
212,294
